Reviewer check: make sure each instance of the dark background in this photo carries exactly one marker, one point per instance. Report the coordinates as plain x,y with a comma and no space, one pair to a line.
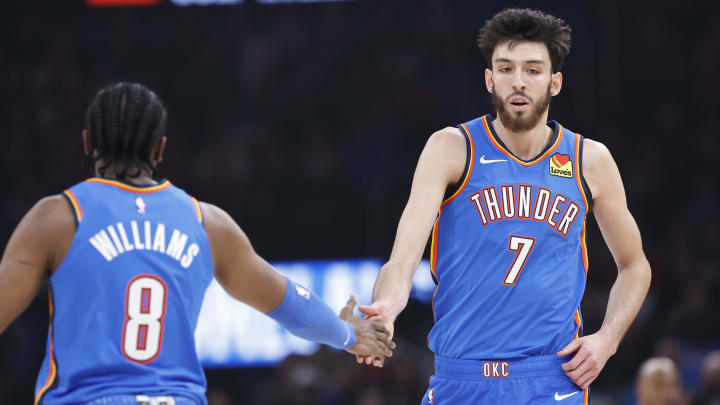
305,123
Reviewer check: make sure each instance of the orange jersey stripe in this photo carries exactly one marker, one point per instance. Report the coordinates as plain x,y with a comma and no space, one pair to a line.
583,248
127,187
583,245
198,212
469,172
577,172
433,244
577,322
53,367
75,204
433,263
586,400
511,156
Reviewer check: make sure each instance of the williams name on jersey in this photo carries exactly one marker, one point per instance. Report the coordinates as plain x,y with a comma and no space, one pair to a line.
116,241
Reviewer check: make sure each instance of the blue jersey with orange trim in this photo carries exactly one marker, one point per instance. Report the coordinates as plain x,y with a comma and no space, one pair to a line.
508,250
126,298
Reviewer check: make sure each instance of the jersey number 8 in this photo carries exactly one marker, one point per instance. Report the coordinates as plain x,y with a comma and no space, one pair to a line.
143,329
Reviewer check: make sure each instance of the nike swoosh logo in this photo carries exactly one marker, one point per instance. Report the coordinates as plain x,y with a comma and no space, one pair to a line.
349,336
486,161
561,397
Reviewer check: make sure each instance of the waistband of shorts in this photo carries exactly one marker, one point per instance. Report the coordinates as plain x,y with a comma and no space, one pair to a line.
537,366
143,400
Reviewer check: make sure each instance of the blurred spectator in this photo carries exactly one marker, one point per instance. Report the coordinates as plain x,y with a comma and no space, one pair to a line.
709,393
219,397
658,383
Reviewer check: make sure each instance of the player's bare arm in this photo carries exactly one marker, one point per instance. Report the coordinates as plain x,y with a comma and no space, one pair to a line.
622,237
249,278
441,164
36,247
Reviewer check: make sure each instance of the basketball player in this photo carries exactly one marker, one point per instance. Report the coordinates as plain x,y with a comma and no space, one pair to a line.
506,199
129,259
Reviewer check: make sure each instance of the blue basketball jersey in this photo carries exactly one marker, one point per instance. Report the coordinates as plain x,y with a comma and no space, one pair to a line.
508,250
125,301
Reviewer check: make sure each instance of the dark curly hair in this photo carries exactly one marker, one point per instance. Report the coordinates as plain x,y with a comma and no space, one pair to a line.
515,25
123,123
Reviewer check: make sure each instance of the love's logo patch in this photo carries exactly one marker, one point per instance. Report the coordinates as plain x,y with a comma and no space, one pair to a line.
561,165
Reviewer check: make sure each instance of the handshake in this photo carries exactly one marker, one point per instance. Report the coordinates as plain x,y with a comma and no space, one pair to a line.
373,334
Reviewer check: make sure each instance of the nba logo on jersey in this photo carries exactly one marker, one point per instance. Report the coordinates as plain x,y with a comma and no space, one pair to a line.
140,205
302,292
561,165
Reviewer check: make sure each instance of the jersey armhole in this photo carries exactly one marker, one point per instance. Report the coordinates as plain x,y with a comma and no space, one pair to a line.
583,183
198,211
74,206
455,188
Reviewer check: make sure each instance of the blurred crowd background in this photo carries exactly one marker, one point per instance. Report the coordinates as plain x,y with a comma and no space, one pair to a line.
305,122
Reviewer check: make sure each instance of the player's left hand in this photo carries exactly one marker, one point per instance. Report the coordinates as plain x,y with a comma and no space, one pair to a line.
591,354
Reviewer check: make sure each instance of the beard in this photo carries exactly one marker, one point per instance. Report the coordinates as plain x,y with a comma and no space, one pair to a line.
519,122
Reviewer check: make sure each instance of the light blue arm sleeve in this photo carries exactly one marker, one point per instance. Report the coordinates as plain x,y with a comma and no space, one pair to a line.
305,315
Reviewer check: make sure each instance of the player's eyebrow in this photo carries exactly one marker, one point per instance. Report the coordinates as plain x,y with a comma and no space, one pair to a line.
535,61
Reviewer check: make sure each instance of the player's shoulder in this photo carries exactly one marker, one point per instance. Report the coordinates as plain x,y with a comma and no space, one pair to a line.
595,155
598,166
212,214
226,237
218,223
445,154
51,225
52,209
447,137
447,143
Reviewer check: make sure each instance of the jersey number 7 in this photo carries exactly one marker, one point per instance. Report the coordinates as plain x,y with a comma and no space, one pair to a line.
143,329
523,246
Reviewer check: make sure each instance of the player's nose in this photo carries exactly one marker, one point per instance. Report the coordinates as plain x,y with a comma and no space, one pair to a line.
517,81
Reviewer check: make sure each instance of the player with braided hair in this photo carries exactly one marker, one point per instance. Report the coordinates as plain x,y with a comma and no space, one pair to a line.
128,257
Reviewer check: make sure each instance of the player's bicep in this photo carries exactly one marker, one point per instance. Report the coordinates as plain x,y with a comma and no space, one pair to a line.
245,275
620,232
31,253
441,164
617,225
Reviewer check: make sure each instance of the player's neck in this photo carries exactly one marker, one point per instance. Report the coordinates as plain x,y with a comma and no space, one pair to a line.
144,178
525,144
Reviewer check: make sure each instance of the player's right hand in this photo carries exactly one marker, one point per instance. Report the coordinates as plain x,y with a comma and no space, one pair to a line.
377,312
372,338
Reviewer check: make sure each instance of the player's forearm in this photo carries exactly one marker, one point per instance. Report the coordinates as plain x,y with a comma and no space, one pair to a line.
305,315
393,285
626,298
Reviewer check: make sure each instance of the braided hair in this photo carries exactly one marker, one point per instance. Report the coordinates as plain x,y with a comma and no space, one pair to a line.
123,123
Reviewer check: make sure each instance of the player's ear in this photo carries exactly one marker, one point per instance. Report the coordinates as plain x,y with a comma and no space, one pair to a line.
85,141
157,151
556,83
488,81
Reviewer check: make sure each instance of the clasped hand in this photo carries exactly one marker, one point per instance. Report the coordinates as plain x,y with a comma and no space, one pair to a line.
373,339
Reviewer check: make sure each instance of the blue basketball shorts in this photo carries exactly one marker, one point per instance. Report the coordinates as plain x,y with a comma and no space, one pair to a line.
533,380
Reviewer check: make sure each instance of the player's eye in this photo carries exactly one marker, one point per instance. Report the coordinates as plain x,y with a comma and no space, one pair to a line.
504,69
